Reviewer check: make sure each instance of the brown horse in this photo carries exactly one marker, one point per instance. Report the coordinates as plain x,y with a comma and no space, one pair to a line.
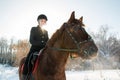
70,39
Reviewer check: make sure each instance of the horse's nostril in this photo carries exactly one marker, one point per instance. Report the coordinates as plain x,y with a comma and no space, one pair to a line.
92,49
86,53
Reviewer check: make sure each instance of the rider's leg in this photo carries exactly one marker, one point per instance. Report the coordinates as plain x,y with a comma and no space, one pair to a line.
26,65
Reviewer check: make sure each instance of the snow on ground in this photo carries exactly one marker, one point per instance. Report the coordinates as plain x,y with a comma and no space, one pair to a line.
11,73
8,73
94,75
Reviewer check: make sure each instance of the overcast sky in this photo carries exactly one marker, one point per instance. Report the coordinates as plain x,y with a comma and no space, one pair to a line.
18,16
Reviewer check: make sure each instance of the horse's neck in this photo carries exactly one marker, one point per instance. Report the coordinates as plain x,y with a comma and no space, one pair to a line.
54,60
59,57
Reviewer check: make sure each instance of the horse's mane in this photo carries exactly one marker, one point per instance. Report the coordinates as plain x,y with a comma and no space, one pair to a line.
55,36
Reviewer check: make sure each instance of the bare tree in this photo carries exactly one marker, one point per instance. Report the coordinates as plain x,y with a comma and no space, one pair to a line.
109,47
3,45
3,50
22,49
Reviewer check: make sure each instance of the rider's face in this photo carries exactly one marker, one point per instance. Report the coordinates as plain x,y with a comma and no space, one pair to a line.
42,22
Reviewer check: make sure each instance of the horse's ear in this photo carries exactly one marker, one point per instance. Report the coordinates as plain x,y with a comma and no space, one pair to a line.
72,17
81,19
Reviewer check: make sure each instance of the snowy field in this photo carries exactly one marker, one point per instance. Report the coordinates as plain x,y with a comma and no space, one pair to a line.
11,73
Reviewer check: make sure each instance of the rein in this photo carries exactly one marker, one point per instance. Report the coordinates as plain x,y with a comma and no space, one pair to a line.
65,50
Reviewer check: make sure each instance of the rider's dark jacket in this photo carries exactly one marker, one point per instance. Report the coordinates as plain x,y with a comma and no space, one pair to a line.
38,38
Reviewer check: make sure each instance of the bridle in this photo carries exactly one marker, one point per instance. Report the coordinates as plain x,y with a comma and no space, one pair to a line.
78,50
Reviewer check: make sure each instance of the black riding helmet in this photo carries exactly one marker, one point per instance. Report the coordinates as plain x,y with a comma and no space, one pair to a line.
42,16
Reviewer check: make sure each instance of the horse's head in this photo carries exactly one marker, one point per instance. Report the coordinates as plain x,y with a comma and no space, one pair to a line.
76,39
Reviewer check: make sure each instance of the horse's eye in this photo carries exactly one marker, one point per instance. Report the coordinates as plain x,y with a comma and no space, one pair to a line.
83,29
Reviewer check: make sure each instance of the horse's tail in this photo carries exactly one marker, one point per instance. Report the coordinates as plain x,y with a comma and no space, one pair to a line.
21,67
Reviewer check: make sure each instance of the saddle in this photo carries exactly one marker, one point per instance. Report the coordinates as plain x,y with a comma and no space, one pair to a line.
35,56
34,61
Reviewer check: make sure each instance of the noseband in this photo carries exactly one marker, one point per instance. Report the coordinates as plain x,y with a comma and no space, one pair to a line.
76,43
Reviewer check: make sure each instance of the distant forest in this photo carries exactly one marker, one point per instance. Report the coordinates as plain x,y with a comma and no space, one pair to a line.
108,58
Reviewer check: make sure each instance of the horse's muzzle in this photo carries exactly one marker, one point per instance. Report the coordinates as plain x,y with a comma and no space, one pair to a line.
90,52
